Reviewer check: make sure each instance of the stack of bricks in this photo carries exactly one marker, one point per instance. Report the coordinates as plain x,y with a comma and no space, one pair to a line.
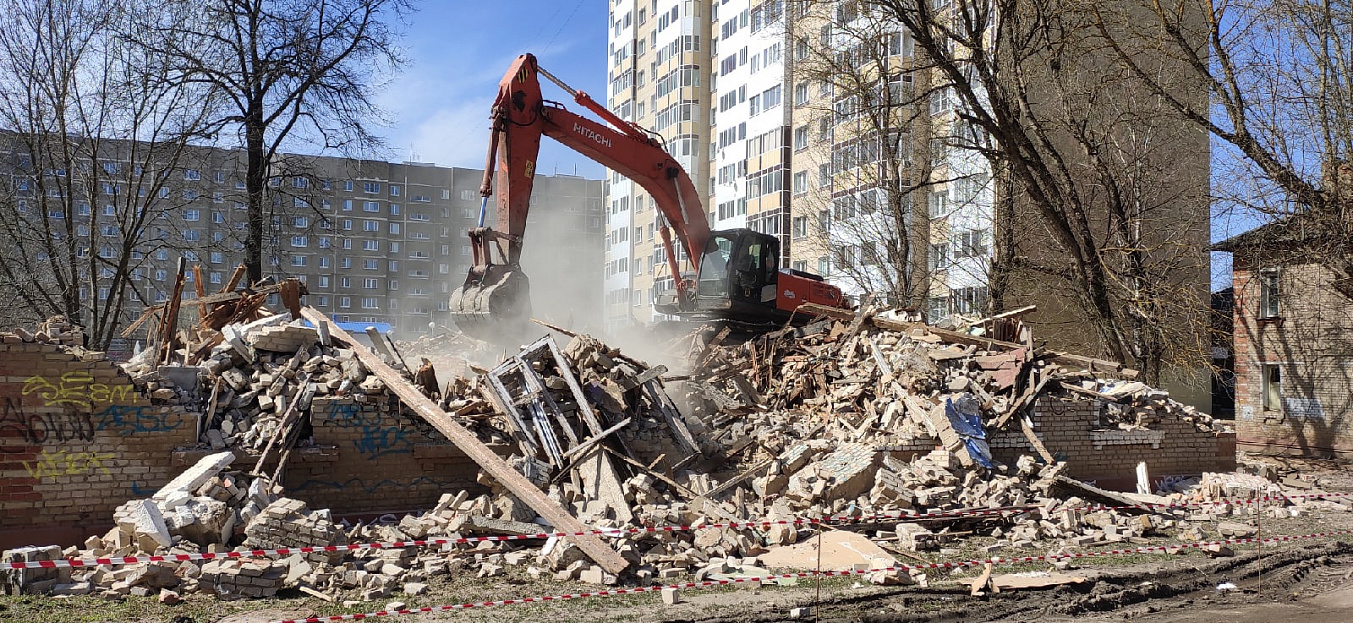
247,577
847,473
33,581
283,339
287,523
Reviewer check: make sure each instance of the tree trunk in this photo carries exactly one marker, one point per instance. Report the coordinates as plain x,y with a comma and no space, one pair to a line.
255,181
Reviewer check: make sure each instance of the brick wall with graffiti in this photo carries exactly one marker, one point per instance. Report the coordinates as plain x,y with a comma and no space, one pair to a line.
77,439
382,458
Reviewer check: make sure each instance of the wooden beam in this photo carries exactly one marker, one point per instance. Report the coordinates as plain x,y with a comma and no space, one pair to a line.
582,447
235,279
169,330
468,443
200,291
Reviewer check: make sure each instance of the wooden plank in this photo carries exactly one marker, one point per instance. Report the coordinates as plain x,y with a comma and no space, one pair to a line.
235,279
150,311
580,448
1037,443
468,443
290,293
171,317
200,291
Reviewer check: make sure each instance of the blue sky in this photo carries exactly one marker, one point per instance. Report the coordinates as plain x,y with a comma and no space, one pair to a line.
458,51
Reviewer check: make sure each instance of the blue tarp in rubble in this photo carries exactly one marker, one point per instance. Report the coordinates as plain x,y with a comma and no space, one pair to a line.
965,417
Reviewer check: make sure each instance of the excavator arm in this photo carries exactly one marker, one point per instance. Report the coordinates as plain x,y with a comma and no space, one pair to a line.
495,293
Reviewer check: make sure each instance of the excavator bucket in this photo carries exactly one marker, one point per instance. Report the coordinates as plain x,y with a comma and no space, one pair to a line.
494,306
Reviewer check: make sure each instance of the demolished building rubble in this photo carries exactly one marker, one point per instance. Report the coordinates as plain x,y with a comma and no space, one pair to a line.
866,416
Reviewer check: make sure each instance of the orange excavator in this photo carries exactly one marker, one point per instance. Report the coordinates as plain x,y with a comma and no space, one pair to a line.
733,275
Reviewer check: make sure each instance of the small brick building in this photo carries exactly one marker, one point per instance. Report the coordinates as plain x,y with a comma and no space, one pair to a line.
1293,344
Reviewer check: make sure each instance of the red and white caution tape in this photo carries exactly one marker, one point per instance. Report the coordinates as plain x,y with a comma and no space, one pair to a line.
804,574
842,520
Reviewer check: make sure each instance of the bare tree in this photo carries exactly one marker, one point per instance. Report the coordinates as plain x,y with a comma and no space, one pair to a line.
856,130
92,135
1108,189
290,72
1280,78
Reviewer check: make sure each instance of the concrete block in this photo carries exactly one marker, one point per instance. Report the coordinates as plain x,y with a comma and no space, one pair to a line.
190,479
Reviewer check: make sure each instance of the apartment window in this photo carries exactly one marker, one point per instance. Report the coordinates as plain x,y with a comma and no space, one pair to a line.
393,285
1269,293
394,209
160,275
322,301
446,195
371,226
323,280
371,206
345,262
370,284
801,138
800,182
939,256
1272,387
298,260
371,187
345,301
299,242
347,205
217,257
191,215
370,303
347,243
800,226
323,262
937,200
394,228
345,282
191,235
300,221
346,224
394,190
371,245
192,174
971,243
937,308
370,264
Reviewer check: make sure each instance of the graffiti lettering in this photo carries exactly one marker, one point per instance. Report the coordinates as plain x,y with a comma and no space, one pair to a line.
144,419
41,428
351,416
76,389
61,463
379,441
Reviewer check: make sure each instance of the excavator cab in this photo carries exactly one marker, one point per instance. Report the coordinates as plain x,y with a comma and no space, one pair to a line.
738,274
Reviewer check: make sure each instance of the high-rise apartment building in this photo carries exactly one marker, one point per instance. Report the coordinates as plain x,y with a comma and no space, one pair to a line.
659,72
372,241
817,122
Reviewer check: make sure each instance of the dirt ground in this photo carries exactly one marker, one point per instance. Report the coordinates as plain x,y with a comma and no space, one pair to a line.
1307,580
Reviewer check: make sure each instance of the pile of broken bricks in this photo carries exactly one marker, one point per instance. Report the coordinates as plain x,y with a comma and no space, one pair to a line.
801,423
